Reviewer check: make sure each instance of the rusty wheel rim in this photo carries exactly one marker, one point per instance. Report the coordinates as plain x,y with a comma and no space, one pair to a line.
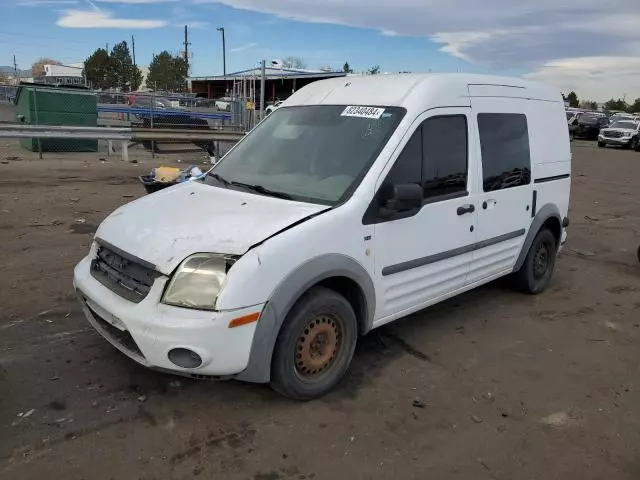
317,346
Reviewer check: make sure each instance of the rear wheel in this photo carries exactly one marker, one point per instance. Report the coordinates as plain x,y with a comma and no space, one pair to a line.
537,269
315,346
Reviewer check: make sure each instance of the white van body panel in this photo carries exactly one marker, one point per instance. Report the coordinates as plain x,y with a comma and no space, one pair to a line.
282,244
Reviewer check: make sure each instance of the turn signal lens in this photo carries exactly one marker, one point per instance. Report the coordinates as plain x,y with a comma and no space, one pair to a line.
244,320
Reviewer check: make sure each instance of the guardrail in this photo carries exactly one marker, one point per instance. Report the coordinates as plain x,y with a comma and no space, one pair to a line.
123,134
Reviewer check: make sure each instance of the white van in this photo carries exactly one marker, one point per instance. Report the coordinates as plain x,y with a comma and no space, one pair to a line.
359,201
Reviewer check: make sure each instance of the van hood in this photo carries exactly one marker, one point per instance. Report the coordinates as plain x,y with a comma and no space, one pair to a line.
166,227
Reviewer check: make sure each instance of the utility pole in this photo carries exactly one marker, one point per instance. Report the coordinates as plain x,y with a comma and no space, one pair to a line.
224,52
186,47
15,69
106,45
133,50
262,87
135,67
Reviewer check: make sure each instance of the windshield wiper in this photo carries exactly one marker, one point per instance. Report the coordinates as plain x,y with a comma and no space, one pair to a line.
220,179
263,190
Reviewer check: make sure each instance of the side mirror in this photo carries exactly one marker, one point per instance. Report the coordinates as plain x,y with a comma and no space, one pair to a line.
403,198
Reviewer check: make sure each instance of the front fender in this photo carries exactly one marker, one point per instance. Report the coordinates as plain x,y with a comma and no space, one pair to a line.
287,293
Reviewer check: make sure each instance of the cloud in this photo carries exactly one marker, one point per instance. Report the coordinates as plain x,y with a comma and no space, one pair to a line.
243,47
103,19
599,78
38,3
136,2
504,35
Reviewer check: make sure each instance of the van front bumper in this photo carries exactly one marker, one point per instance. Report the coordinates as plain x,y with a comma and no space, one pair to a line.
148,331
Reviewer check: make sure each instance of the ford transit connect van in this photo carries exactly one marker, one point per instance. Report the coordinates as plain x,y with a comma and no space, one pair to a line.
359,201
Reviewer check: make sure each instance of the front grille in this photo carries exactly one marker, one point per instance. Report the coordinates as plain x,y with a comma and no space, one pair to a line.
121,275
121,337
613,134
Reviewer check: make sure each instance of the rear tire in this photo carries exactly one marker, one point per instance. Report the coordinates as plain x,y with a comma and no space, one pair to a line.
315,345
536,271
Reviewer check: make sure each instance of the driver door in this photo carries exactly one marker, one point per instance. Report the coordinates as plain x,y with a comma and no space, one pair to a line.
423,256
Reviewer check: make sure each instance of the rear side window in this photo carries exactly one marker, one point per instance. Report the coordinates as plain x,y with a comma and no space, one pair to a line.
506,159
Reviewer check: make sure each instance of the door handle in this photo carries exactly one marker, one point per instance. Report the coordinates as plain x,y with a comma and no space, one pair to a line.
466,209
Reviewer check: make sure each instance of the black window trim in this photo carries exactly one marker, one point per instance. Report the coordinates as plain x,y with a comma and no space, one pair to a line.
482,158
371,217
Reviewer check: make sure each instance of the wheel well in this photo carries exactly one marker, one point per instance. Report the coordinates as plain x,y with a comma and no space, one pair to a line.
350,290
553,225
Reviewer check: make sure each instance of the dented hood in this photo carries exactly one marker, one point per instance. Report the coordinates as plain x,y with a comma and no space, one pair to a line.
166,227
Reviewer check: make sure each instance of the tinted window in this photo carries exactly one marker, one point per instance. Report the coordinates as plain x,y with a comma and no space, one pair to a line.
408,166
504,140
444,149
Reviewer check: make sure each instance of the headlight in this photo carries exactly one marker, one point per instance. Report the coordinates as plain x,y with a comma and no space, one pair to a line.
198,281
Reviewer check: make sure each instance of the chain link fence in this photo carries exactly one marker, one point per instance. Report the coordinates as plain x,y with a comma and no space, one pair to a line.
33,104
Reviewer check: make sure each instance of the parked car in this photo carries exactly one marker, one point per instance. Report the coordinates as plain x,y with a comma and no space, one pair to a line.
347,208
223,104
178,121
273,107
148,101
588,125
623,133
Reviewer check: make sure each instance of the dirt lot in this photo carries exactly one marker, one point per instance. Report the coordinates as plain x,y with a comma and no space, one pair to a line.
491,385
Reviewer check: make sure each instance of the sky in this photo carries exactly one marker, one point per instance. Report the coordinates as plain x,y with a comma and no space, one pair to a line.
590,46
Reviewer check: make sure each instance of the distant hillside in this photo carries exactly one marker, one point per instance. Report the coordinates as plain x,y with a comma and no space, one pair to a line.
8,70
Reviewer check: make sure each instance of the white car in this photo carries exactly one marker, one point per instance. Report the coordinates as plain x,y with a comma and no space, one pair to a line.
273,107
622,133
356,203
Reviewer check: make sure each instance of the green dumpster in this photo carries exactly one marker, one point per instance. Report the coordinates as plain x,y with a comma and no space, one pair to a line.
46,105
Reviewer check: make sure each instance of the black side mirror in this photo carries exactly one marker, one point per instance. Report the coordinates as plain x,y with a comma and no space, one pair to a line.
403,198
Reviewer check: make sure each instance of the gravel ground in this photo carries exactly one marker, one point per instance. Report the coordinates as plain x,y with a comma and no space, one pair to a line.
489,385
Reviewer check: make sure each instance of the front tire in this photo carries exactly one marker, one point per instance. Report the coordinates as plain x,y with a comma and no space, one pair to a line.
633,144
315,345
601,144
536,271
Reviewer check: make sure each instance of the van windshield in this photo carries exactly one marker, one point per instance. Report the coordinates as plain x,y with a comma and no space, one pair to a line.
315,153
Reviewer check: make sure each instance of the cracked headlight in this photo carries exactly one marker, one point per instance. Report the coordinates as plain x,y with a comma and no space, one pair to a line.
198,281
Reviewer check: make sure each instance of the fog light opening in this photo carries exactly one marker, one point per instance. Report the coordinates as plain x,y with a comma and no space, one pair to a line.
185,358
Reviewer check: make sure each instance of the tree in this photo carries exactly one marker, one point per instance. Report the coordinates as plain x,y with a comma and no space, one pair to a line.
347,68
123,74
375,70
167,72
37,69
572,98
293,62
97,69
635,106
589,105
616,105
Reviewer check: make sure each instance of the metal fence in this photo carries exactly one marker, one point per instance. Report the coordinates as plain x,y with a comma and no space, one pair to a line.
47,105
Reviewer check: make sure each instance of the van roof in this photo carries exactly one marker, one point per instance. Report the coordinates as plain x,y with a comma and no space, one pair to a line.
409,90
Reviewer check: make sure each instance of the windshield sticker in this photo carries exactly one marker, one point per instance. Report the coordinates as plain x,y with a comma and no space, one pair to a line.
363,112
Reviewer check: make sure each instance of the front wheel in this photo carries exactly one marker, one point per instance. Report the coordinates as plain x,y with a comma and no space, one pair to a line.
537,269
315,345
633,144
601,144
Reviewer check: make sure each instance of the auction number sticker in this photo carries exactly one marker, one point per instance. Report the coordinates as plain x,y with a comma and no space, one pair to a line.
363,112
